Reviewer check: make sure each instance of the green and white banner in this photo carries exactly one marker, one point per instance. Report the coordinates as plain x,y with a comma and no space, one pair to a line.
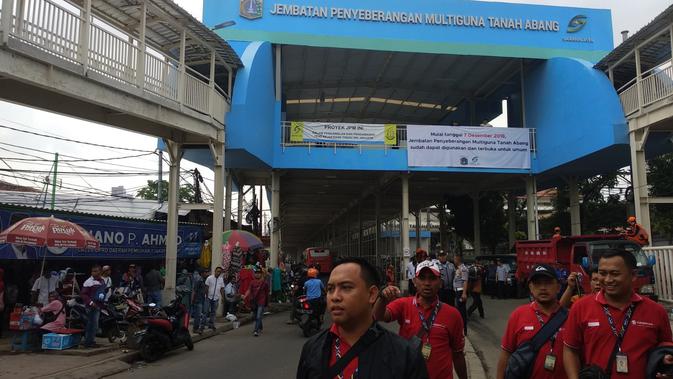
343,133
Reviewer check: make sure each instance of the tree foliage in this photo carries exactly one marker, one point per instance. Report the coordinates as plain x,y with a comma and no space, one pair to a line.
149,192
660,178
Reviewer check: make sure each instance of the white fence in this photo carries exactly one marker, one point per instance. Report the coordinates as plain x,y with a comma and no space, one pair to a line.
653,85
65,33
663,270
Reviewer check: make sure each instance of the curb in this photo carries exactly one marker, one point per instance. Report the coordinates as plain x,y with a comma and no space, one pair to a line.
475,367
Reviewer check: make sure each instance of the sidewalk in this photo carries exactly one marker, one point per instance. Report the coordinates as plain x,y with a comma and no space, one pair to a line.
475,368
92,363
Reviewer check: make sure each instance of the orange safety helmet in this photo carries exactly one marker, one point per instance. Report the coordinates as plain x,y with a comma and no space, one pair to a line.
631,219
312,273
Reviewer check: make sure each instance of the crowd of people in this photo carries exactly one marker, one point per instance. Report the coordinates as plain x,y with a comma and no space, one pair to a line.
610,332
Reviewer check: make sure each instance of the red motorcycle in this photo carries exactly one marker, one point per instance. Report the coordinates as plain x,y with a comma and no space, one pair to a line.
164,331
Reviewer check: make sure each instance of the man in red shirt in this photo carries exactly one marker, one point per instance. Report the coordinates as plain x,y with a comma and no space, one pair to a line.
439,326
527,320
595,322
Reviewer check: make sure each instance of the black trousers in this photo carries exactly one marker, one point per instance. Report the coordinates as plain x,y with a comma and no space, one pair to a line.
501,289
462,309
476,304
446,295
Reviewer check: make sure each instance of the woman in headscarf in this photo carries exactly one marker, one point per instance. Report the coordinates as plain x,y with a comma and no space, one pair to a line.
53,314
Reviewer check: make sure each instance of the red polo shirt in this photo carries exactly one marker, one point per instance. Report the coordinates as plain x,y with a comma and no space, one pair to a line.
523,324
588,331
446,334
349,371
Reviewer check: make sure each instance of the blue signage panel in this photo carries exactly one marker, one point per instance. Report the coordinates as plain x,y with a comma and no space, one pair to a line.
119,238
431,26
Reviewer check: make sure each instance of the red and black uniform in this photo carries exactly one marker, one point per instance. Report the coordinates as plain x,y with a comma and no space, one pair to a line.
523,324
445,336
588,331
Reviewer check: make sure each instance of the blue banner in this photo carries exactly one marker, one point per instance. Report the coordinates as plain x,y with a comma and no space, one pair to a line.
119,238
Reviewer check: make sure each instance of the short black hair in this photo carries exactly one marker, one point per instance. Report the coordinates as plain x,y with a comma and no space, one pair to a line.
628,258
594,270
367,271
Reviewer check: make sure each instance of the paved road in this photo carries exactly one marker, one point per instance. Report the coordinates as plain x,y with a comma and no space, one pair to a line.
235,354
486,333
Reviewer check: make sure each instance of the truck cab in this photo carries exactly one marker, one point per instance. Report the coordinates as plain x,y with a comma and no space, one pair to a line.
581,254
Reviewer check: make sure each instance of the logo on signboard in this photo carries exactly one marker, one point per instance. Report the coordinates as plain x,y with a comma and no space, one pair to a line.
464,161
251,9
577,23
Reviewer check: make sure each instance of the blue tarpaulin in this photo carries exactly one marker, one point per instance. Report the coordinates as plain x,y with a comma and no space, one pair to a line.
119,238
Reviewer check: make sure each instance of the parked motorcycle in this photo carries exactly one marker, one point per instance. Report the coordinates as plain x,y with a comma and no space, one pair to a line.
307,315
164,331
111,323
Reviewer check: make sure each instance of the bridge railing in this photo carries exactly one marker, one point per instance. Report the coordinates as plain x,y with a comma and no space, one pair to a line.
286,141
653,85
63,31
663,270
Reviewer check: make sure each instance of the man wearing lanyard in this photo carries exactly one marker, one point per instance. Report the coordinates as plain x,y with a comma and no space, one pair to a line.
615,327
356,346
438,326
527,320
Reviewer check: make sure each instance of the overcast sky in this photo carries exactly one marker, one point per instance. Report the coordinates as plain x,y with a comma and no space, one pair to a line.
627,15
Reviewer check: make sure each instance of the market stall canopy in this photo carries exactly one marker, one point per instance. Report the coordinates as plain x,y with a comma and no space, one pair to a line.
49,232
245,240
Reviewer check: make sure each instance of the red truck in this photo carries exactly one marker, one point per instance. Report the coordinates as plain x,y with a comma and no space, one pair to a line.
581,254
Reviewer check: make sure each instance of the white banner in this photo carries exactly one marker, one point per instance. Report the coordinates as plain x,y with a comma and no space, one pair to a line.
343,133
465,146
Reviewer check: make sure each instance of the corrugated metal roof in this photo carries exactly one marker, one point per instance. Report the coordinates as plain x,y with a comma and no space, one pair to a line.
651,55
164,22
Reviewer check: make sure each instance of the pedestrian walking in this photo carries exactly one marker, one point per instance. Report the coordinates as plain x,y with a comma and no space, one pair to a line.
501,272
539,323
231,298
475,274
448,270
93,296
411,273
612,332
199,300
107,280
425,319
460,287
154,281
258,296
354,346
214,292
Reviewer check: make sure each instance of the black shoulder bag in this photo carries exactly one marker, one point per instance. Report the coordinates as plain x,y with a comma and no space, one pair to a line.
521,361
49,317
364,342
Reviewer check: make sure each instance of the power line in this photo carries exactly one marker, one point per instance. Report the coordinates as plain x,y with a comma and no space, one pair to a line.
74,160
72,140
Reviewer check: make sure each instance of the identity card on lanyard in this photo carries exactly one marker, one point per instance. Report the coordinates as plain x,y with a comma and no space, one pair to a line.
426,349
621,359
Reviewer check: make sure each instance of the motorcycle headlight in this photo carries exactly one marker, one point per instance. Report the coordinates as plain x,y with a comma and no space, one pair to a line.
647,289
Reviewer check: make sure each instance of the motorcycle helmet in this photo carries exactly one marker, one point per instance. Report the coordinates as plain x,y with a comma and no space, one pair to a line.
312,273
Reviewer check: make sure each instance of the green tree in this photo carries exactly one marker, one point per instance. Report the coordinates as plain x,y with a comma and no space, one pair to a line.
149,192
661,184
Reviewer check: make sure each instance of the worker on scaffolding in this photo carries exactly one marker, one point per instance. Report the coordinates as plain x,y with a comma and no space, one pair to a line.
635,232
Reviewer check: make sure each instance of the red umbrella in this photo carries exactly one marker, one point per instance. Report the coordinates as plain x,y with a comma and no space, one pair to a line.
49,232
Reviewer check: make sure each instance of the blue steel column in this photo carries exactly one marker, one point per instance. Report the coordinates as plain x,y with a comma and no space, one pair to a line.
275,217
404,232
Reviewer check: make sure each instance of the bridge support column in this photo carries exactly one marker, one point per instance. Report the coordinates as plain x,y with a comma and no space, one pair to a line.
574,194
227,202
511,216
476,225
637,140
175,155
6,19
275,218
404,232
531,208
377,226
359,254
217,150
239,211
